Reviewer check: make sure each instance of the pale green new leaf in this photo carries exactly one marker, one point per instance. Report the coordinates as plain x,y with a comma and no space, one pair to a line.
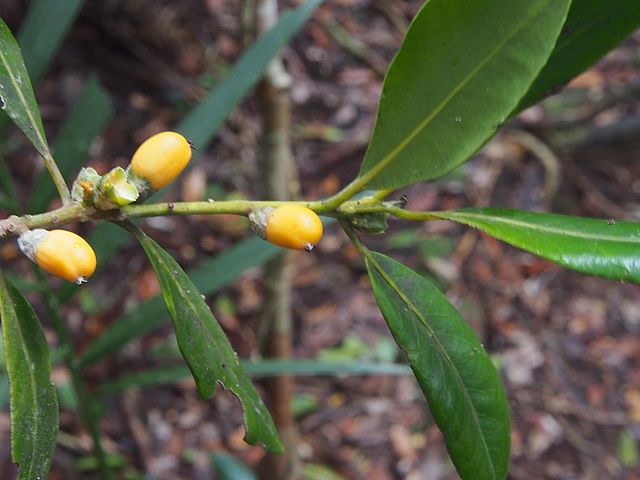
461,384
16,94
460,72
602,247
34,405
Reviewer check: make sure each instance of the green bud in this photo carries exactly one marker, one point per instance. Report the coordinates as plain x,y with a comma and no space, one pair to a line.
115,190
375,223
85,186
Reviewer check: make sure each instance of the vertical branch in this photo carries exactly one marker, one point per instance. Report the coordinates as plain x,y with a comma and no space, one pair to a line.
278,171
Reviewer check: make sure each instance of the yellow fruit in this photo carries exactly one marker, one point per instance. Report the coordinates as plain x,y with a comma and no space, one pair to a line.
293,226
161,158
65,254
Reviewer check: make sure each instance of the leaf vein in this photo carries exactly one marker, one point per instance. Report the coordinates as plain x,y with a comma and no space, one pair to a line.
382,164
433,335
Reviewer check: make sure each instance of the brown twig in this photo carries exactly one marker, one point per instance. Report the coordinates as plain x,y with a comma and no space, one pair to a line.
279,177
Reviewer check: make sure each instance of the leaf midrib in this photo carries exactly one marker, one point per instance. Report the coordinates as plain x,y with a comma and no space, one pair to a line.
161,263
31,374
586,27
436,339
23,100
235,382
541,228
391,156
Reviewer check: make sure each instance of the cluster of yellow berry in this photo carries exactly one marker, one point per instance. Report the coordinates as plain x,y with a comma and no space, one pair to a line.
155,164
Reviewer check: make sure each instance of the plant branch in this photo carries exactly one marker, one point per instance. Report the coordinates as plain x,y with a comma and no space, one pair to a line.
361,247
77,213
58,179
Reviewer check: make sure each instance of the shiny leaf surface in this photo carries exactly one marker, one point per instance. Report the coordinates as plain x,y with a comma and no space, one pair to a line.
16,94
602,247
34,405
593,28
455,373
461,70
204,345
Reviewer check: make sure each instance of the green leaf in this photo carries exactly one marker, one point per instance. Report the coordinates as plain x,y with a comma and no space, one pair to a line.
204,345
209,277
16,94
606,248
628,449
228,468
87,119
67,396
4,390
316,471
593,28
34,406
298,366
207,117
258,368
461,70
463,389
6,184
43,30
90,463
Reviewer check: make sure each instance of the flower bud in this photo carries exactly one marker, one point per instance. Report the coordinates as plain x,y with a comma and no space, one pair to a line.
60,253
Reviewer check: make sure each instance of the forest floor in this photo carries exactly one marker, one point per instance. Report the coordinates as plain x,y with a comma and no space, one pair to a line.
567,345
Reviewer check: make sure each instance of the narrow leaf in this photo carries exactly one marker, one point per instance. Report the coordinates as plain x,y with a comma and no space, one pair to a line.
34,405
40,35
258,368
209,277
593,28
204,345
461,70
463,389
4,390
6,184
42,32
316,471
207,117
88,118
606,248
228,468
16,94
